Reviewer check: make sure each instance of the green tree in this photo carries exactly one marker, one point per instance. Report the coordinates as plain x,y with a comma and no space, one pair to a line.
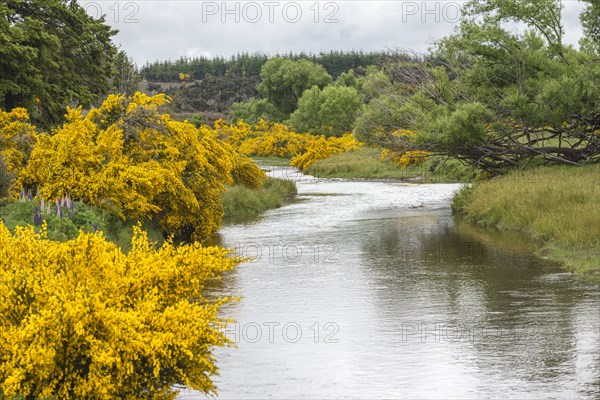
197,120
125,79
590,19
374,83
331,111
350,79
253,110
495,98
283,81
52,53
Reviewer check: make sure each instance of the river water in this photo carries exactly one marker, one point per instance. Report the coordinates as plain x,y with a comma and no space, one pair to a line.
372,289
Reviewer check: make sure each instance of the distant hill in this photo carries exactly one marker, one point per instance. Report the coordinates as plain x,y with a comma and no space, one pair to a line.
214,84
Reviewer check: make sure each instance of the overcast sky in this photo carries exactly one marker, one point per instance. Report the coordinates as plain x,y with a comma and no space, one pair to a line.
167,29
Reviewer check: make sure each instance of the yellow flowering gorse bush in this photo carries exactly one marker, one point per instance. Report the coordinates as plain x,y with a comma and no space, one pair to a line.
17,137
322,148
81,319
275,139
129,159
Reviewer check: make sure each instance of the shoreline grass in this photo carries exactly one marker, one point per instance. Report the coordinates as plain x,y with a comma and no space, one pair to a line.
272,161
242,204
366,164
558,207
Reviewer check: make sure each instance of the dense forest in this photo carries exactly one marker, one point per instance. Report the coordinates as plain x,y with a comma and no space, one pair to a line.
245,64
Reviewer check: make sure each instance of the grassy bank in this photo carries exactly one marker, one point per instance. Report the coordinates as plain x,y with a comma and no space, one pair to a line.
272,161
366,164
559,207
71,221
242,204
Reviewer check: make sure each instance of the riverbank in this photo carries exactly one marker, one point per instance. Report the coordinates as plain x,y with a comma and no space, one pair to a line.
559,207
367,164
241,203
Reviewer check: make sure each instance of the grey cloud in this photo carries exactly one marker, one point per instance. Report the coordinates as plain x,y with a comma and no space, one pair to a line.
171,29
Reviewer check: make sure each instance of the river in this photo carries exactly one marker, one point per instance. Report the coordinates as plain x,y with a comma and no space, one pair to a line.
372,289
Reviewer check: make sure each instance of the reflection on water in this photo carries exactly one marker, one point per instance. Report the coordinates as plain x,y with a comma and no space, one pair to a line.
372,289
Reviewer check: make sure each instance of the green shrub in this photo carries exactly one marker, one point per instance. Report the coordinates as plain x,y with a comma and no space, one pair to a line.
241,203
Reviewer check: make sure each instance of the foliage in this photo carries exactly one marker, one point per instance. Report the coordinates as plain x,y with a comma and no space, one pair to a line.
266,139
590,19
558,206
366,163
249,65
263,139
253,110
63,222
321,148
331,111
283,81
51,53
17,137
245,172
242,203
127,158
81,319
126,78
217,84
197,120
67,224
373,84
6,179
408,158
493,98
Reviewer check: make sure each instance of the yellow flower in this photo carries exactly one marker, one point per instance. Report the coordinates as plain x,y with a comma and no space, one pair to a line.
82,319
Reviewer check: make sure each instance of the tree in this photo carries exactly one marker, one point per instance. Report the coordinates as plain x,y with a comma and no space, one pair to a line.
254,110
541,16
126,79
284,81
590,19
494,98
373,83
350,79
331,111
52,53
17,137
129,159
197,120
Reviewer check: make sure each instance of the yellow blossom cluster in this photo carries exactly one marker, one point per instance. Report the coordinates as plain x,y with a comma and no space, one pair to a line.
82,319
128,158
322,148
263,139
17,137
275,139
405,157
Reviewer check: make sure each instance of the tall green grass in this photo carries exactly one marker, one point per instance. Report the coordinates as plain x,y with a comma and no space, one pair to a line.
366,164
272,161
242,204
559,207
